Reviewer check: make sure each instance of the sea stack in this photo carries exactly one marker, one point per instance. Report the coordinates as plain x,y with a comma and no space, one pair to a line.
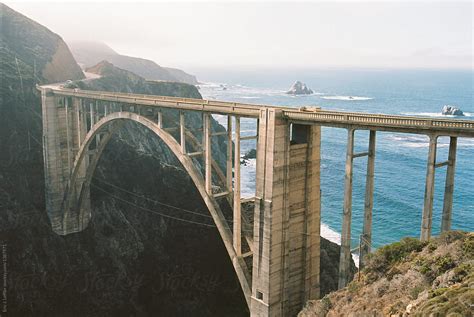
299,88
451,110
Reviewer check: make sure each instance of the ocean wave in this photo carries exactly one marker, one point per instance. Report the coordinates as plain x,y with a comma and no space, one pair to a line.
420,141
347,98
335,237
247,180
249,97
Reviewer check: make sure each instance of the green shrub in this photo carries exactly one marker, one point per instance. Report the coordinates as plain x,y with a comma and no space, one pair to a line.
382,259
444,263
415,291
468,246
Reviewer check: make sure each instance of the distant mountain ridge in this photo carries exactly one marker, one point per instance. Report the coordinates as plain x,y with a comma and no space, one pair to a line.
91,53
120,80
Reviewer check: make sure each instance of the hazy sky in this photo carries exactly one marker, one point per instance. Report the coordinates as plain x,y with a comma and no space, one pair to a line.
270,34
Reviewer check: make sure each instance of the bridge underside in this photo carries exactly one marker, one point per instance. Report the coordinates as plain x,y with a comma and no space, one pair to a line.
276,251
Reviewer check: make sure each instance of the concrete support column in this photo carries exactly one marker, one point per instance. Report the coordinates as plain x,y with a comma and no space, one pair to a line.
207,152
68,133
237,203
427,217
92,114
182,132
56,171
160,119
345,257
369,202
286,219
229,175
449,186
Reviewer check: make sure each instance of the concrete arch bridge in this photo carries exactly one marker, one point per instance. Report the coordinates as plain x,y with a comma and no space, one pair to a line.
278,262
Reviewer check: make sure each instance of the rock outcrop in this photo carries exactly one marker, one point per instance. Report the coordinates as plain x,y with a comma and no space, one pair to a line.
299,88
451,110
409,278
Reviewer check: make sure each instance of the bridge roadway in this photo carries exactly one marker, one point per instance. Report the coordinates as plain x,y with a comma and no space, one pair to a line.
304,115
284,244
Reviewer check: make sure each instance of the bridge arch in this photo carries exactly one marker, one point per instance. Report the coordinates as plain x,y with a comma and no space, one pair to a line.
76,193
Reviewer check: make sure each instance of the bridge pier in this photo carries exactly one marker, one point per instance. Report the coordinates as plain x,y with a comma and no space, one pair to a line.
427,217
237,226
345,255
287,217
55,180
449,186
369,202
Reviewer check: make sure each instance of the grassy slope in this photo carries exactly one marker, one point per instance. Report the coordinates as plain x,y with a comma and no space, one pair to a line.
409,278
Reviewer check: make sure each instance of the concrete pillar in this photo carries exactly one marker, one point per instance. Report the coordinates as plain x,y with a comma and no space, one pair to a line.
427,217
160,119
287,219
369,202
68,133
92,114
207,152
229,175
237,203
449,186
182,132
345,257
56,171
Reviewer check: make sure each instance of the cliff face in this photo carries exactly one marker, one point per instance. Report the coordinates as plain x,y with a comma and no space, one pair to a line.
42,54
29,54
91,53
409,278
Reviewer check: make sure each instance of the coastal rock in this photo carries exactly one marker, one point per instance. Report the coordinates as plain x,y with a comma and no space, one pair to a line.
251,154
452,111
299,88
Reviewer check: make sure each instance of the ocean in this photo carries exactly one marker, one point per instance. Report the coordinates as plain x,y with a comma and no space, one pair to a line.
400,166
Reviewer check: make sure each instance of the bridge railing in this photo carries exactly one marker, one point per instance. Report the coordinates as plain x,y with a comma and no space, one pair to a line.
325,116
252,110
213,106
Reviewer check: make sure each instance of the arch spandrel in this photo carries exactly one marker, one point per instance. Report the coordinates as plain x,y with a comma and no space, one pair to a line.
76,217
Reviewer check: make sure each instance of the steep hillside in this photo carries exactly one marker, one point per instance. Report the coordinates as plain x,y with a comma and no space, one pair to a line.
120,80
409,278
91,53
182,76
40,53
29,54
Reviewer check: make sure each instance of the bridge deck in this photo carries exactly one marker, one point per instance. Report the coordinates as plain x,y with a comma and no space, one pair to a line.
366,121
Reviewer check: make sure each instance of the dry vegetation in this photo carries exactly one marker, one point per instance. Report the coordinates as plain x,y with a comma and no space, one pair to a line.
409,278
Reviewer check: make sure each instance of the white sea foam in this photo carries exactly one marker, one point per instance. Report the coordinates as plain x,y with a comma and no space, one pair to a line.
419,141
347,98
436,114
247,182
